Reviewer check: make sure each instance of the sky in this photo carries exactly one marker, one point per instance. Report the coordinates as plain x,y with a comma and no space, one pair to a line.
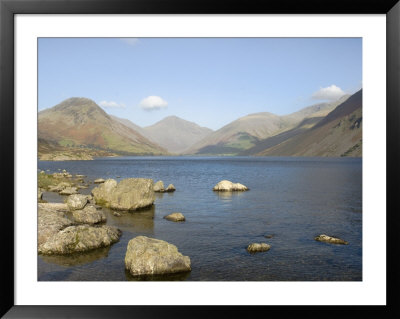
209,81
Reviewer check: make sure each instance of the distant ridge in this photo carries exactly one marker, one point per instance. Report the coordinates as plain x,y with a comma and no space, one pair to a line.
246,132
337,134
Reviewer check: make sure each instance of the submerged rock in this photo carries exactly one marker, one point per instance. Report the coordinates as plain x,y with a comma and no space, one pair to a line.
175,217
159,187
149,256
76,201
116,214
228,186
258,247
128,194
170,188
331,240
89,215
51,219
80,239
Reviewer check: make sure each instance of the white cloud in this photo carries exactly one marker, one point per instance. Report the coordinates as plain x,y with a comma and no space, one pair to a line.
130,41
111,104
153,102
332,92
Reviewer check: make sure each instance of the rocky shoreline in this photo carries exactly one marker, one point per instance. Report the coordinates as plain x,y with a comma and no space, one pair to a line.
79,225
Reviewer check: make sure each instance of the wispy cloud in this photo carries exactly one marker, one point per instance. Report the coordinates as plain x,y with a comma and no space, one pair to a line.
331,93
111,104
130,41
152,103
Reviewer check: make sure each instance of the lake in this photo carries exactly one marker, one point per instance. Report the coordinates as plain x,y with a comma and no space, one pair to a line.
291,200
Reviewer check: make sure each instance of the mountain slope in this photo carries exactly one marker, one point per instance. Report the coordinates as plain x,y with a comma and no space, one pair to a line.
175,134
337,134
80,122
247,131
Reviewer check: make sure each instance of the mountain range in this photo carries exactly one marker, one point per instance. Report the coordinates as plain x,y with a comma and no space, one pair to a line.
325,129
80,122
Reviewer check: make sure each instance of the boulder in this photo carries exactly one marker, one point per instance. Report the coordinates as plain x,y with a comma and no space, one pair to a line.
149,256
170,188
51,219
159,187
76,201
80,239
228,186
128,194
117,214
258,247
56,207
331,240
69,191
175,217
89,215
99,181
39,194
58,188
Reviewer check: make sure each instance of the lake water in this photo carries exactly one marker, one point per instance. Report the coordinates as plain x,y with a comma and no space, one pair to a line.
291,199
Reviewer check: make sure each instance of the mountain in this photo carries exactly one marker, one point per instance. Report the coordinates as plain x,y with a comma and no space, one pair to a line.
129,124
247,131
80,122
175,134
339,133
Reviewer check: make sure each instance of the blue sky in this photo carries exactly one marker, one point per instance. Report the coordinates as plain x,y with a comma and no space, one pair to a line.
210,81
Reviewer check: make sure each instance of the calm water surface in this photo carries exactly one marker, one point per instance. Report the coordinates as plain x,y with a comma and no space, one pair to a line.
291,199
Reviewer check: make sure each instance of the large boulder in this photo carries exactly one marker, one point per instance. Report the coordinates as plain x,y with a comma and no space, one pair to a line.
228,186
89,215
80,239
77,201
159,187
149,256
175,217
128,194
51,219
330,240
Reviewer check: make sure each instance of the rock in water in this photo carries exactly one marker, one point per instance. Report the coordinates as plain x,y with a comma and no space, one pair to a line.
331,240
59,187
39,194
50,221
149,256
258,247
128,194
80,239
170,188
228,186
175,217
89,215
69,191
159,187
99,181
76,201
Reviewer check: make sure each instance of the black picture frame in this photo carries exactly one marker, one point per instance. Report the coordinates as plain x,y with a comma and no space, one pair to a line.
8,8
